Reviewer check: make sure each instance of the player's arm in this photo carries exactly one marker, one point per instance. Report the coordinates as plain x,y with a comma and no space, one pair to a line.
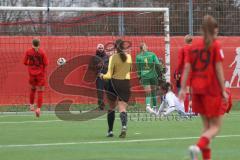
186,71
219,56
25,60
109,73
220,77
159,68
235,60
171,105
45,60
180,61
138,66
162,106
130,62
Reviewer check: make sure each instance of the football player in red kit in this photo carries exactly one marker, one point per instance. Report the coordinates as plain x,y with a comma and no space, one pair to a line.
182,53
209,96
36,60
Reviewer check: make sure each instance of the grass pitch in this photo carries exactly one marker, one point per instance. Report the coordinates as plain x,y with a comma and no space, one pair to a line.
24,137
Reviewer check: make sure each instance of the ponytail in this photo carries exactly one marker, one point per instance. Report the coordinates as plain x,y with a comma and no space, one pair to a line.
119,46
208,27
123,56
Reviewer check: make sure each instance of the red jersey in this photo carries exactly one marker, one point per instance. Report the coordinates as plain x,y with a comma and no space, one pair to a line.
203,75
182,53
36,61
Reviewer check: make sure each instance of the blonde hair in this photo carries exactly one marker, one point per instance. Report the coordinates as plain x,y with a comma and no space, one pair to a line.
188,39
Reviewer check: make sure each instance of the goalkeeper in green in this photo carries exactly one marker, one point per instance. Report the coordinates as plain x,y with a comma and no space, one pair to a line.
149,71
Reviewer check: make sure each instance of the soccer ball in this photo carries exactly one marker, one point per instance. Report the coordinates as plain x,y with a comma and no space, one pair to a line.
61,61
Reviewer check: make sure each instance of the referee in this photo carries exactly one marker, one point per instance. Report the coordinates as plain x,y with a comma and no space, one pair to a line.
118,91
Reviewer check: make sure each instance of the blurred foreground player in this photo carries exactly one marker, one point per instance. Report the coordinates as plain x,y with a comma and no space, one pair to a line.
36,60
209,96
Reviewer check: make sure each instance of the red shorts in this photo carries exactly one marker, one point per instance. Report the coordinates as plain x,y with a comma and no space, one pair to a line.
37,80
209,106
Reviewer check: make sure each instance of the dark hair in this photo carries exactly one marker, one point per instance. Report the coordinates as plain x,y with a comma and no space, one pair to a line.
36,42
166,86
119,45
209,25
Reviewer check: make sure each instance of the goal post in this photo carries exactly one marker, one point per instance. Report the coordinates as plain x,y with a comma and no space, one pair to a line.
72,31
110,9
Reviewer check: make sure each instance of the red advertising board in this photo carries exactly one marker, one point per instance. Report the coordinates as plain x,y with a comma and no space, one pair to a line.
14,77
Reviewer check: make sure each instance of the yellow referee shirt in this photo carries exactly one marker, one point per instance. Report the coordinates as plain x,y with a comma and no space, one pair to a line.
118,69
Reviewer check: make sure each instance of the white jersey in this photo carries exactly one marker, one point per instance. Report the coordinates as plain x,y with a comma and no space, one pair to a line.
237,60
172,103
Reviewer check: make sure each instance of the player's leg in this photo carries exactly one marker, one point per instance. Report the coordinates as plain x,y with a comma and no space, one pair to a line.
40,83
161,108
147,90
203,142
233,77
238,82
214,125
169,110
32,97
154,84
100,90
111,116
40,90
198,106
123,92
186,102
123,116
148,98
181,110
112,101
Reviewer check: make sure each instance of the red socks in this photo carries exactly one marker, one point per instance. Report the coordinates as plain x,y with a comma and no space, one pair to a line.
203,143
40,99
32,96
186,102
206,154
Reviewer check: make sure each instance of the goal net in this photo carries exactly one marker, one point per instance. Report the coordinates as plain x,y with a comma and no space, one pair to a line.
73,33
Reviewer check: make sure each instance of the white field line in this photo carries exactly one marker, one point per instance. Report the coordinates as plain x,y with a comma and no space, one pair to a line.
108,142
37,121
52,113
135,119
49,121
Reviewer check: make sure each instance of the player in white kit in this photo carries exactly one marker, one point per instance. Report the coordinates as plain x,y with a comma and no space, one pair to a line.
236,71
170,102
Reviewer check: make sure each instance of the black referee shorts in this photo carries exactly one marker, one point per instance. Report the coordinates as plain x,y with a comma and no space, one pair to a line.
118,89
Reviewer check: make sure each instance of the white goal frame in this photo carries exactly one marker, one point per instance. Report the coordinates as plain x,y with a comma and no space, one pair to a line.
110,9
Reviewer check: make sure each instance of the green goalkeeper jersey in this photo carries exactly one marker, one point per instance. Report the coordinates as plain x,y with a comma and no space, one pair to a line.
148,65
